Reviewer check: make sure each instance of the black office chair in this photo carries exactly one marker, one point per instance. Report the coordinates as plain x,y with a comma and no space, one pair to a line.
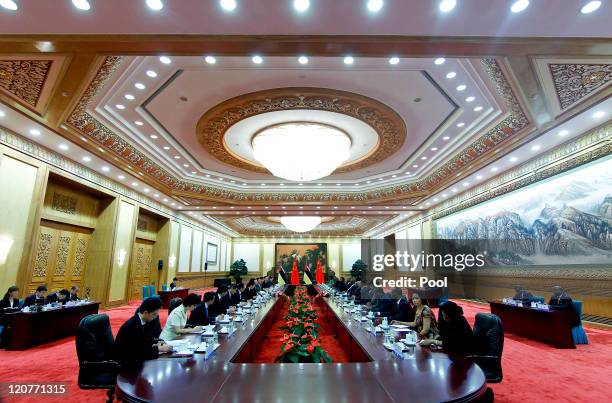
94,345
174,303
488,346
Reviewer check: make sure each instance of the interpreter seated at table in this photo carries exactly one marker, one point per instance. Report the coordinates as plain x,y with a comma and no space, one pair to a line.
74,293
203,314
11,298
134,343
521,294
174,284
401,309
60,297
560,300
177,320
37,297
455,334
424,320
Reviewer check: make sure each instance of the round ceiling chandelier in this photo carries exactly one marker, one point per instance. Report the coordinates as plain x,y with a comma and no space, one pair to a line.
300,223
301,151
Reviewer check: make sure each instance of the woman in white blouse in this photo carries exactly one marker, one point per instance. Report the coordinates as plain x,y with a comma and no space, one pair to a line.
175,325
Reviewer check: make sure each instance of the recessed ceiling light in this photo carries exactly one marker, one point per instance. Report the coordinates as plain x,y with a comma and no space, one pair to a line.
281,184
105,169
394,60
434,149
35,132
153,136
81,4
599,114
535,147
120,106
454,190
63,147
590,7
466,184
120,177
407,173
394,176
380,179
194,172
138,123
451,74
177,157
470,99
151,73
444,194
210,59
519,5
221,179
2,114
129,96
303,60
423,158
155,4
338,184
460,124
375,5
301,5
140,86
146,190
349,60
257,59
445,138
9,5
86,158
167,200
439,60
513,159
461,87
368,181
447,5
563,133
435,199
166,148
165,59
228,5
186,165
494,169
415,166
478,108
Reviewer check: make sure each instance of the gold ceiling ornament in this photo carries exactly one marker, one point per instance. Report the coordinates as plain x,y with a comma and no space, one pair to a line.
24,79
387,123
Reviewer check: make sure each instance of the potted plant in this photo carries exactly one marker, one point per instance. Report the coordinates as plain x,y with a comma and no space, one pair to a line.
358,269
238,269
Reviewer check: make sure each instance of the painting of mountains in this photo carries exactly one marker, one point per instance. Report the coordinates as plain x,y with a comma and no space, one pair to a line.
566,220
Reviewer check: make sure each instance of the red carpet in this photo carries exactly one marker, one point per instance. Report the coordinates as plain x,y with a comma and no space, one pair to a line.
532,371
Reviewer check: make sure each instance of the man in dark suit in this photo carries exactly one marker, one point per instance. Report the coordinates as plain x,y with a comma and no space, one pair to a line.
40,293
134,343
203,314
174,283
74,293
402,310
221,304
61,296
250,291
236,293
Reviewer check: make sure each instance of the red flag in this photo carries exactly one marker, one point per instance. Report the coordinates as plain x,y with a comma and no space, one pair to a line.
319,274
295,277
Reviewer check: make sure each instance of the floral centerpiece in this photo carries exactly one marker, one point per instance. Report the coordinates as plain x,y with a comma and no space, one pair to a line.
300,341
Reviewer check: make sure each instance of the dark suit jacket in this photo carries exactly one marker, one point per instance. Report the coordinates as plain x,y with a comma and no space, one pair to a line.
403,311
236,298
134,343
52,298
564,304
386,306
201,315
248,294
30,300
220,306
74,297
5,303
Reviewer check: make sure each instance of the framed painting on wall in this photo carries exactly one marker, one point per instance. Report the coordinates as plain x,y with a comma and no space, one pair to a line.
211,252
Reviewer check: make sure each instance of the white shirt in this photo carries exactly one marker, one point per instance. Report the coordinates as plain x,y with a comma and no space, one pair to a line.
177,318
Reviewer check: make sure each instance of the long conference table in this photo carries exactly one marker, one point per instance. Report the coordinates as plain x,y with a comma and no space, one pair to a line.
377,376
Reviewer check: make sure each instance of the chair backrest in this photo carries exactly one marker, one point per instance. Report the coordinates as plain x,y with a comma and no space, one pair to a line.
94,339
145,291
489,334
578,308
174,303
164,287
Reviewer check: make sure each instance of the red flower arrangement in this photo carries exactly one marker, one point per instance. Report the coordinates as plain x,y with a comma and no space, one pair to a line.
300,341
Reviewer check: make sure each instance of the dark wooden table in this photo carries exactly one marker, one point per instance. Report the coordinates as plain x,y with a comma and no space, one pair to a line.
552,327
28,329
167,296
424,376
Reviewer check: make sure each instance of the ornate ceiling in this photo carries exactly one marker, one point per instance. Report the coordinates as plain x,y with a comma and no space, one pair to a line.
180,131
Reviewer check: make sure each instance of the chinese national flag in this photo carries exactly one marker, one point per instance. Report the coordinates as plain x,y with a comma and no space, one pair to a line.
319,273
295,277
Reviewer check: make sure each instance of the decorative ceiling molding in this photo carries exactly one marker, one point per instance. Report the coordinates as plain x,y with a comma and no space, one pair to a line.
387,123
574,82
510,126
24,80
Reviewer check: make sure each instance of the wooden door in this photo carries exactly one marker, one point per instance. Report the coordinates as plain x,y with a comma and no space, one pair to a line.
140,271
61,257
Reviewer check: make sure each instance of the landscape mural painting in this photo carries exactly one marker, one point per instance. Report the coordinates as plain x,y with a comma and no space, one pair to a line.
566,220
306,255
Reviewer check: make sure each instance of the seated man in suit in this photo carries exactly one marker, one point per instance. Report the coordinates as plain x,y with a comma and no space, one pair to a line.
41,292
221,304
235,293
203,314
250,291
401,310
61,297
74,293
521,294
134,343
560,300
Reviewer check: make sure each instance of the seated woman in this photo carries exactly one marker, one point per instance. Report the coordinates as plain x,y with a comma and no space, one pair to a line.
455,332
177,320
11,298
424,320
560,300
